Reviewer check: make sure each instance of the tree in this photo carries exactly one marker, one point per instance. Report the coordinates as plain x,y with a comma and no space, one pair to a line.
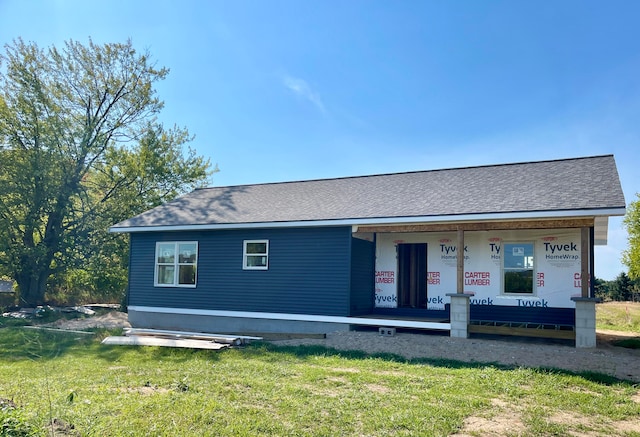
631,256
80,149
621,288
602,288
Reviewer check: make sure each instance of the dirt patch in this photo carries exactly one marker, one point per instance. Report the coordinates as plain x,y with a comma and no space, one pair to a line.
500,420
377,388
504,420
599,429
627,426
501,424
150,390
61,428
110,320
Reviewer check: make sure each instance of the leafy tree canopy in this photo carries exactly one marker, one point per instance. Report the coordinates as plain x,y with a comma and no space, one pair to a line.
631,256
81,149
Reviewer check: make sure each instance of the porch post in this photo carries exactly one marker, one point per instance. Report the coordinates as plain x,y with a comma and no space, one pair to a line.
459,309
592,267
585,271
459,314
585,304
585,321
460,261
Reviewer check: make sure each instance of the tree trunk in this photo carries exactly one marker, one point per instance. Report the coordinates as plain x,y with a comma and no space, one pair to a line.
32,284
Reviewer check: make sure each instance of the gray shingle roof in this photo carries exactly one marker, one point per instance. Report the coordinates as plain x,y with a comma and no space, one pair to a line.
587,183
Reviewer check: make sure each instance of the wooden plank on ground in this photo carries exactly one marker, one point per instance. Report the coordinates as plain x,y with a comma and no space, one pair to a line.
163,342
220,338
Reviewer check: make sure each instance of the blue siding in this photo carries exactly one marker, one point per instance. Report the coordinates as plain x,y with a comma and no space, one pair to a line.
309,272
362,276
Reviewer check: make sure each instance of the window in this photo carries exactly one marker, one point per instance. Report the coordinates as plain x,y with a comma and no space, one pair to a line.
176,264
518,268
255,255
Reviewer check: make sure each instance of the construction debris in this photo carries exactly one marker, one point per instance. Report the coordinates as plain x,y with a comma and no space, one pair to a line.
235,340
166,338
163,342
79,309
39,311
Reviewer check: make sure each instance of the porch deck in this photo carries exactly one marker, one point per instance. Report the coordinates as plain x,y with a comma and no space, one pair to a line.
516,321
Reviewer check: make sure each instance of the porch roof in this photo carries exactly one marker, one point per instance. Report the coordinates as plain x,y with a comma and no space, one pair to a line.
586,186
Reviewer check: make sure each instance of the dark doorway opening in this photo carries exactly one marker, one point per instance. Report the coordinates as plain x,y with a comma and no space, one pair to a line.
412,275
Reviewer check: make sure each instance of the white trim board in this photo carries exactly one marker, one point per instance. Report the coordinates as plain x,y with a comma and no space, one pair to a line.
296,317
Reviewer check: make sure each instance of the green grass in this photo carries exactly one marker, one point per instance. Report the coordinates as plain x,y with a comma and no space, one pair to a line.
263,390
618,316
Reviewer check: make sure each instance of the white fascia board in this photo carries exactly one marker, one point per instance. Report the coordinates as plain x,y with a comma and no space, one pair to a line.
377,221
600,231
294,317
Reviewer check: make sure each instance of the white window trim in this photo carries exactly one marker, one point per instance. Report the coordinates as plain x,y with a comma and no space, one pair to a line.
176,265
534,288
245,255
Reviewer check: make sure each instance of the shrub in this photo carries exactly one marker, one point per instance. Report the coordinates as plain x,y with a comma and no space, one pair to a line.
13,423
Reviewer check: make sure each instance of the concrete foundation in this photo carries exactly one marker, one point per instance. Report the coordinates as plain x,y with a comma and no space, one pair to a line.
232,325
459,314
585,321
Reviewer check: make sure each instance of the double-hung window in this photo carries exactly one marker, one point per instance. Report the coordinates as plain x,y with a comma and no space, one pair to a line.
176,264
255,255
518,268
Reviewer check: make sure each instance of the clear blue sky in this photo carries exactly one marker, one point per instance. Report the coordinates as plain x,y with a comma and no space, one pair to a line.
290,90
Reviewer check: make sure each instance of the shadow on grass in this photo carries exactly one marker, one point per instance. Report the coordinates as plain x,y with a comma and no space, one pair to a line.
20,343
308,351
629,343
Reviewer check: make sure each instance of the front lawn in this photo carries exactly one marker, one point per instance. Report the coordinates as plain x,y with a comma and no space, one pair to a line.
263,390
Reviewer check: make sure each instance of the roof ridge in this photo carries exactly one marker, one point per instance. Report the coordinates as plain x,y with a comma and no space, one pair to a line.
404,172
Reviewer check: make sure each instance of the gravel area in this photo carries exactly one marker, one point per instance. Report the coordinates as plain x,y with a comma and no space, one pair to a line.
619,362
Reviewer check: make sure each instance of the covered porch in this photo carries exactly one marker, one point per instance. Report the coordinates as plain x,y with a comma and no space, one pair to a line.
466,313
